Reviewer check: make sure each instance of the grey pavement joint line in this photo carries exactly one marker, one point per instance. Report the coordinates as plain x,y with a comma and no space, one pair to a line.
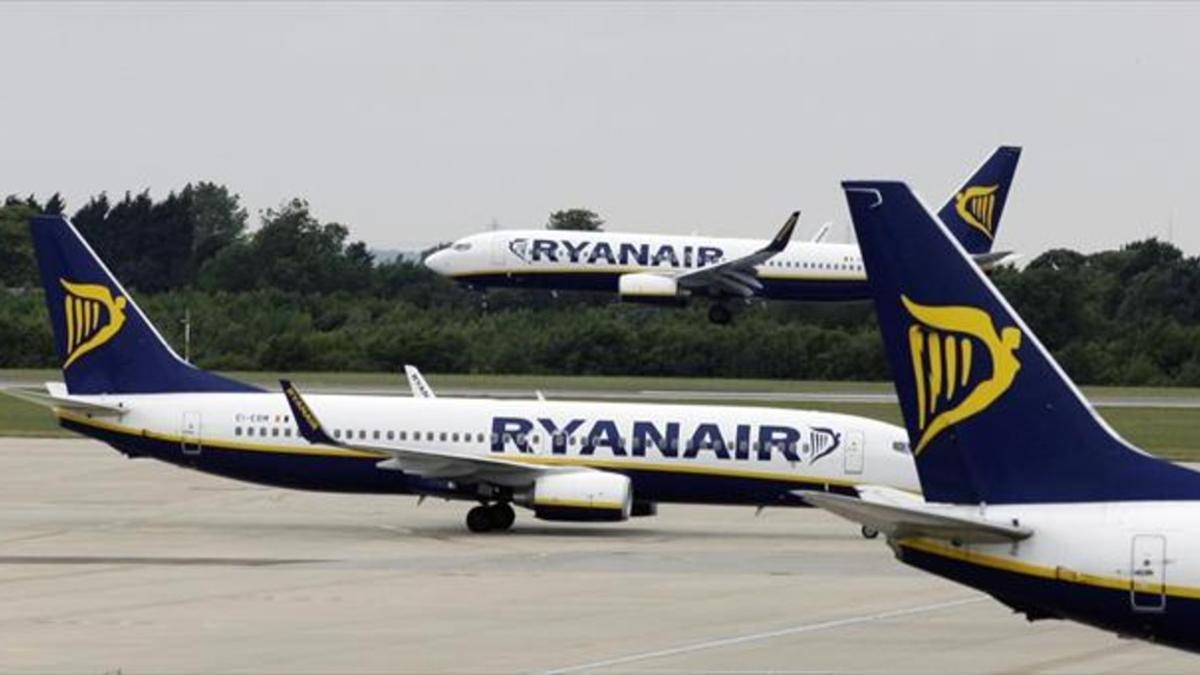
755,637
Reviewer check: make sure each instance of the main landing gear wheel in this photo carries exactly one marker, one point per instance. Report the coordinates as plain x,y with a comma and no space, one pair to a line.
719,314
502,516
484,518
869,532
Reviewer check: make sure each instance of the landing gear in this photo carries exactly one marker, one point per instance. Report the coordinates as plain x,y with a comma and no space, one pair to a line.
719,314
869,532
485,518
502,516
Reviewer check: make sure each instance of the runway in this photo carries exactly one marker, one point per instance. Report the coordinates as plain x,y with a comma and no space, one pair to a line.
108,563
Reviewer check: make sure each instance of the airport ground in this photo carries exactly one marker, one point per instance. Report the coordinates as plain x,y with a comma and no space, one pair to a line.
109,564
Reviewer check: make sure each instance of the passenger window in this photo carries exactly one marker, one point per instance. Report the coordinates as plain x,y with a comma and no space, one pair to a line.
287,432
262,431
376,436
495,438
429,435
442,437
479,438
403,435
362,434
454,437
237,431
275,431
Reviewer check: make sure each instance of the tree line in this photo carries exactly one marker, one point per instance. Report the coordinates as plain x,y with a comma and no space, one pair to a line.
296,293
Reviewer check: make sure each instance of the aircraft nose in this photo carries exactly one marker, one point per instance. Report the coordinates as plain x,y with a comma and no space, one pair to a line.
439,262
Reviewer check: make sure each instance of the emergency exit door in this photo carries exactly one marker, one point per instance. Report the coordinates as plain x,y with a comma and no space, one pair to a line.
189,433
1148,573
854,452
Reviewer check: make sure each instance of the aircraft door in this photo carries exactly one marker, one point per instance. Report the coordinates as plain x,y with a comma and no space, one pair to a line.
854,452
189,433
499,252
1147,573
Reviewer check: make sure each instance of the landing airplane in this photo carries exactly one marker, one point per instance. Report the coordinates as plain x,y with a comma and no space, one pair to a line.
1029,495
669,269
564,460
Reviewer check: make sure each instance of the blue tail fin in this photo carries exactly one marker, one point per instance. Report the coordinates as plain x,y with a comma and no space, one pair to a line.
105,344
973,212
991,417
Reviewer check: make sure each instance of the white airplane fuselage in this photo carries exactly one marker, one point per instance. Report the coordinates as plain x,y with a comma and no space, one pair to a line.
595,261
672,453
1129,567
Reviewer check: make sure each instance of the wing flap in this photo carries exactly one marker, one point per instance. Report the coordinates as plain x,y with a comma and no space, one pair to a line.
899,521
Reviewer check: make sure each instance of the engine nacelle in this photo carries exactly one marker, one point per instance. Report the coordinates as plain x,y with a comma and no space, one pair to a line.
582,496
654,288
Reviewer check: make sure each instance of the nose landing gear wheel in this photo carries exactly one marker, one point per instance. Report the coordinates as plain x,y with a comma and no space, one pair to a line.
719,314
869,532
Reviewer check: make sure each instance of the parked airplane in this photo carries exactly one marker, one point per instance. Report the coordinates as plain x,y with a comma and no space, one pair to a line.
670,269
565,460
1031,496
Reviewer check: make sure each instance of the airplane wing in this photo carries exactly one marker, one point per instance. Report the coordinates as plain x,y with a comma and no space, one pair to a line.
420,388
425,462
737,276
910,517
57,397
993,258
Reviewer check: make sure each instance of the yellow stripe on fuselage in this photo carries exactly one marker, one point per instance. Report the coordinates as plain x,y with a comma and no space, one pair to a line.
937,548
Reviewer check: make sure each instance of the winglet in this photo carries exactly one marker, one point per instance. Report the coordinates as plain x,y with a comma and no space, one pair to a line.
781,239
310,426
420,388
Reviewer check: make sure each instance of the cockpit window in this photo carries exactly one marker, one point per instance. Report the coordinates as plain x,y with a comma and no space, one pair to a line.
464,246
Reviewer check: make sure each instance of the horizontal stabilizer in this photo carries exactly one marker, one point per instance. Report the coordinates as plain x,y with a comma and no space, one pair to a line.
60,399
914,519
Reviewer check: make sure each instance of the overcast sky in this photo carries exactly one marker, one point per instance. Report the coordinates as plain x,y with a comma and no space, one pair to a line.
414,123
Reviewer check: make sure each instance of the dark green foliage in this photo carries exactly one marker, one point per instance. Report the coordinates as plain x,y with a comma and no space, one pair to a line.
296,294
575,219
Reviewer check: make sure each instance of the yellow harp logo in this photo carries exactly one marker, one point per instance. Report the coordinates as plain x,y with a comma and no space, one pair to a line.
976,205
941,341
93,317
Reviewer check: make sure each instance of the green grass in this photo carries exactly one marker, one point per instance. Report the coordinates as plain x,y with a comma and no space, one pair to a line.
1169,432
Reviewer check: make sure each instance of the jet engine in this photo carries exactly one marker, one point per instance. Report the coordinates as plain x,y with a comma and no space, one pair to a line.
581,496
649,288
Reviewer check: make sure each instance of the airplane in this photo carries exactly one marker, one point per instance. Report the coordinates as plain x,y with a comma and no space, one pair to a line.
1029,495
669,269
564,460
